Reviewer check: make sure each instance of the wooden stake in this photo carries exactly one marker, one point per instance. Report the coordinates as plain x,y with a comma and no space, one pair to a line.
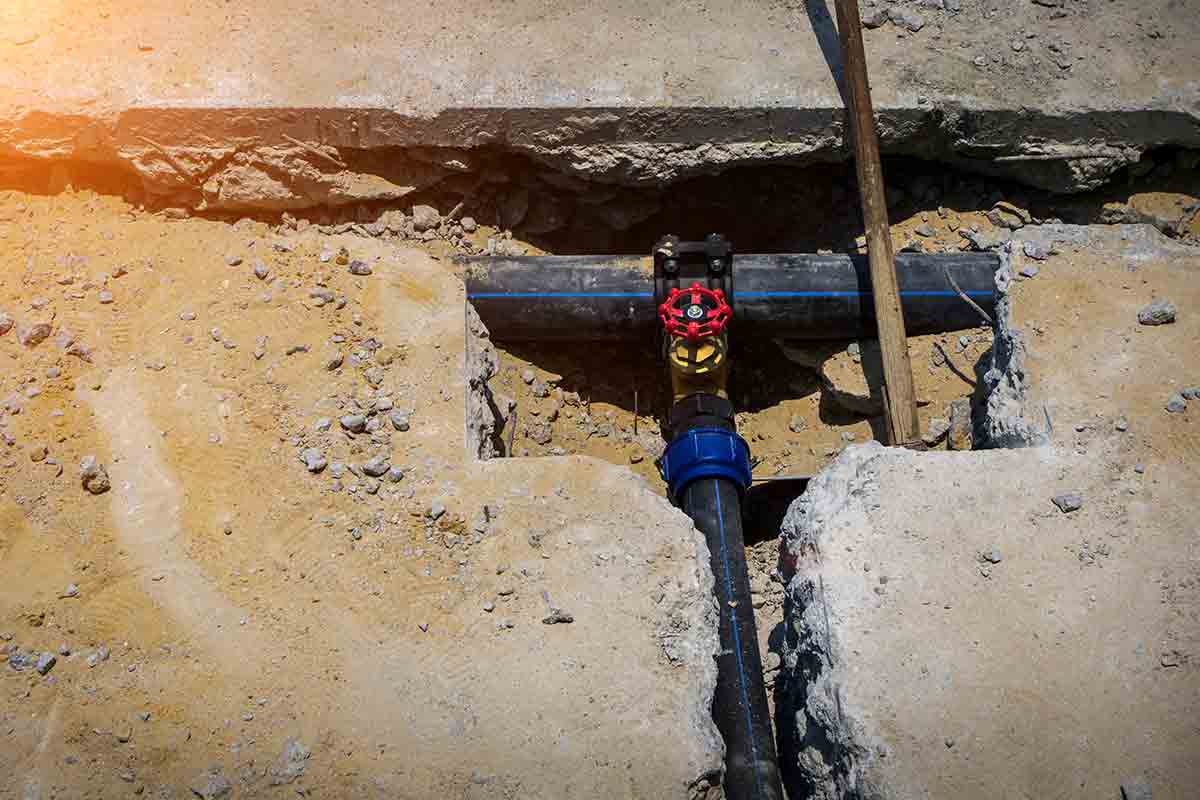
900,406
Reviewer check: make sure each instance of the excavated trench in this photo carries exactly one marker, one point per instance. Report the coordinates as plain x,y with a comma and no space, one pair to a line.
610,401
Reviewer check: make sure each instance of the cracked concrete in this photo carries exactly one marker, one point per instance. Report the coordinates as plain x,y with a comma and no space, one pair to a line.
280,110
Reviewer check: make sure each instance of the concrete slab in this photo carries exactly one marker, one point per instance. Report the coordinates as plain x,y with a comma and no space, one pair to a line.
977,641
1059,94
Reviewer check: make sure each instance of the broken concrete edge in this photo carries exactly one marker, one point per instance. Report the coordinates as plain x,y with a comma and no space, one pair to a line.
825,751
280,159
688,627
1002,421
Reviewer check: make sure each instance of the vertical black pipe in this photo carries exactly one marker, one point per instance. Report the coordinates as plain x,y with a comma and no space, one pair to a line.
740,703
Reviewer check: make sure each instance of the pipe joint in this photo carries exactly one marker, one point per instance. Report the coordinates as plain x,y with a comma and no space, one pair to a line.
705,453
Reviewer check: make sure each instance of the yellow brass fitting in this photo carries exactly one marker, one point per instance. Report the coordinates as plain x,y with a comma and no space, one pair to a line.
698,367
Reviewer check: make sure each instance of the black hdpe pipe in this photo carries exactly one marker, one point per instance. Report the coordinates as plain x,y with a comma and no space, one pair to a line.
800,296
707,468
740,700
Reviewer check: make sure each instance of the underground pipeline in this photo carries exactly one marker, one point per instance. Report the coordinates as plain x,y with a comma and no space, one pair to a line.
792,296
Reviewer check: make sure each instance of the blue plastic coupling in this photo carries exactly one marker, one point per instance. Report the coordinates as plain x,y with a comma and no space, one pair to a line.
705,453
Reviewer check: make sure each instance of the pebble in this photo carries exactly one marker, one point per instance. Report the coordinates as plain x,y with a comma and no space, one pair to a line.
323,424
45,663
528,376
425,218
1029,271
6,323
93,475
188,316
333,361
399,420
1036,250
436,509
377,466
355,423
260,270
905,19
992,557
313,460
34,335
1176,404
489,606
1121,424
557,617
234,261
105,297
71,591
395,474
925,229
1191,393
936,431
1068,502
1160,312
469,225
359,268
211,786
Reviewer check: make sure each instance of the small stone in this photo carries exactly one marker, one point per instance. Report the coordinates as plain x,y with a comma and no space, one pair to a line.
1191,393
296,349
188,316
144,716
1068,503
905,19
1036,251
424,626
313,460
260,270
71,591
333,361
290,764
797,423
399,421
1121,424
211,786
355,423
528,376
45,663
557,617
876,19
1176,404
489,606
105,297
925,229
6,323
395,474
377,466
1030,271
374,376
1160,312
93,476
1136,789
992,557
436,509
469,225
323,424
234,261
34,335
359,268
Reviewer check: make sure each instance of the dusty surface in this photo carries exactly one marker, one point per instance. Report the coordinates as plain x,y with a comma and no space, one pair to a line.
282,109
227,600
953,632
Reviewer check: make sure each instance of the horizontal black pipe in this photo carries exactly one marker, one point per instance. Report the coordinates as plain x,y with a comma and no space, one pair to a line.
800,296
740,700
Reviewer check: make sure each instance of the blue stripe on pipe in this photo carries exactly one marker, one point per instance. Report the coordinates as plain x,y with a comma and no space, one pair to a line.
472,296
911,293
737,640
737,295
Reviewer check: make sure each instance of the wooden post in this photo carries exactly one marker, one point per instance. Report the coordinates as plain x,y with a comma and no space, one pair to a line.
899,398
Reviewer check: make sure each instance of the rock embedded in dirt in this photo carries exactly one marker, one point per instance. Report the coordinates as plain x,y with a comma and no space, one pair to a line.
105,297
399,420
260,270
377,466
1160,312
469,225
333,361
936,431
93,475
557,617
1036,250
359,268
1068,503
6,323
355,423
876,19
35,334
906,19
290,764
45,663
211,786
1191,393
1176,404
1030,271
313,460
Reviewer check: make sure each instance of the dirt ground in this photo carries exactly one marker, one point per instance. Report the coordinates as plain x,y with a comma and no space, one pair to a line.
222,599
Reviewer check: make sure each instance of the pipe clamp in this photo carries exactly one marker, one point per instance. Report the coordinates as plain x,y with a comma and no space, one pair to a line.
705,453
